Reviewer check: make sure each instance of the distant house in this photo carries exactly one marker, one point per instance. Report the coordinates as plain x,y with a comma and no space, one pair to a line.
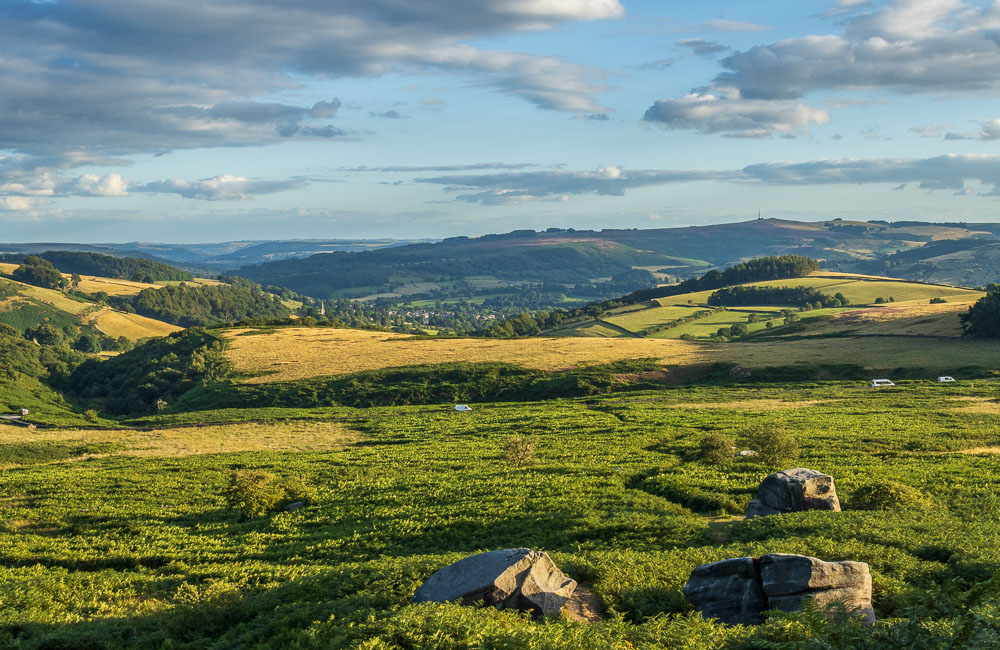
880,383
463,407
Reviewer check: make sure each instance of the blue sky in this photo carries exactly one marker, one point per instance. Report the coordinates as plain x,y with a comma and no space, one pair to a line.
206,120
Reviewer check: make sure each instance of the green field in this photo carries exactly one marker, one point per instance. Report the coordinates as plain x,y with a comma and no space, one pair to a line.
118,543
709,325
641,320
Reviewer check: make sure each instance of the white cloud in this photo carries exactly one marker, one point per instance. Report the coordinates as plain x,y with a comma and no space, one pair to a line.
734,116
937,47
93,185
112,78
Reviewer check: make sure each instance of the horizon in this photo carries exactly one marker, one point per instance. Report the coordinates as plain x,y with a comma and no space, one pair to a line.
434,240
256,120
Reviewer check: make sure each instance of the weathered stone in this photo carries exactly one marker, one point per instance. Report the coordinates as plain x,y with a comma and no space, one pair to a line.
518,578
728,590
793,490
789,580
739,590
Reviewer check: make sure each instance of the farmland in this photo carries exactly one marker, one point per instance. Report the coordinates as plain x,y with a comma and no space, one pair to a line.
121,537
289,354
659,318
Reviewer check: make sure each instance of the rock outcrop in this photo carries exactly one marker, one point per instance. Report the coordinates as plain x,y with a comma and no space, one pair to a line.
793,490
518,578
737,591
729,590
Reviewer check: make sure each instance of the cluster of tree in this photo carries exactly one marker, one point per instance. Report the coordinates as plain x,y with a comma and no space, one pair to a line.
152,375
86,340
758,269
19,355
190,306
40,273
126,268
8,289
983,318
757,295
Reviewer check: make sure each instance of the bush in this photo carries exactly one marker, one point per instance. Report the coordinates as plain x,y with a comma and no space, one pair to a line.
715,449
774,444
888,495
520,451
256,493
90,415
938,301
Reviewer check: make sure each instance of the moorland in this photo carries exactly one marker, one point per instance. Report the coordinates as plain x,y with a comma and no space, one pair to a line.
143,499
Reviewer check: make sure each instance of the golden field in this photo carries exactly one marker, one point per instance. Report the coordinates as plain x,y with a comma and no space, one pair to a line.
292,436
299,352
113,287
131,326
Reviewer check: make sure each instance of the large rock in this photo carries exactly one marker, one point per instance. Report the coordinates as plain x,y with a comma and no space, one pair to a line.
789,580
516,578
793,490
739,590
729,590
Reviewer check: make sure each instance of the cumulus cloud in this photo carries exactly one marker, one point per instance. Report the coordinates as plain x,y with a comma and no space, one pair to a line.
559,185
734,116
905,46
219,188
94,185
112,79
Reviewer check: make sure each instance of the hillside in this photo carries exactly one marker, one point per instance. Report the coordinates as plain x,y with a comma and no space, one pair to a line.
574,265
690,315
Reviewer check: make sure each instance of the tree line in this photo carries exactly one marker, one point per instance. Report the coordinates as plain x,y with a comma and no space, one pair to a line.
124,268
810,297
759,269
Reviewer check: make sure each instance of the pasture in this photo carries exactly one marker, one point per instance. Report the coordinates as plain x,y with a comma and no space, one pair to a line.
131,326
298,352
109,541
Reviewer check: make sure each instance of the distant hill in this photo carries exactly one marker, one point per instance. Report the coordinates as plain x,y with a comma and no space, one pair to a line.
876,306
213,257
566,264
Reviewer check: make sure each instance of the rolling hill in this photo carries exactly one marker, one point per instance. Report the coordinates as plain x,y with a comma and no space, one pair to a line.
690,316
590,265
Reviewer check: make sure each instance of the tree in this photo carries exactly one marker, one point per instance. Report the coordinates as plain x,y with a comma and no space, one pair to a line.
87,343
983,318
40,273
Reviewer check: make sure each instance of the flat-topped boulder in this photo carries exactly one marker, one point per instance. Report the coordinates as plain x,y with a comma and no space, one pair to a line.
517,578
794,490
737,591
789,580
729,590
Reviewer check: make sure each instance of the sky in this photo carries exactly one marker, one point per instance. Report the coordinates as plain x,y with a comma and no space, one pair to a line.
215,120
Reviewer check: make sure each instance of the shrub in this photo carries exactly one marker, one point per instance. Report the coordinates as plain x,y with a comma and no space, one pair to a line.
774,444
938,301
520,451
715,449
256,493
888,495
90,415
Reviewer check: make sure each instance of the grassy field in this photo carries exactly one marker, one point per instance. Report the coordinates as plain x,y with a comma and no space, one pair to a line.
131,326
707,326
113,287
298,353
641,320
113,539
